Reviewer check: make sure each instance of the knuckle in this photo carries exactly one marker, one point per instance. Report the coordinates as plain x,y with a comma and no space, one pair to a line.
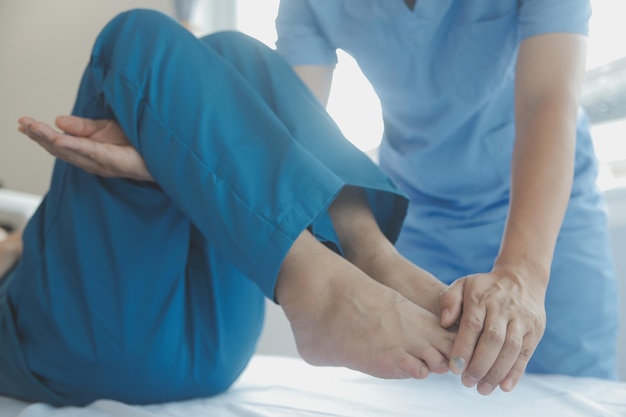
525,353
495,335
540,327
513,342
465,348
474,323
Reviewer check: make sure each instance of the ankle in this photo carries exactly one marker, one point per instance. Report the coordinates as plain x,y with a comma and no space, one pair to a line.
303,273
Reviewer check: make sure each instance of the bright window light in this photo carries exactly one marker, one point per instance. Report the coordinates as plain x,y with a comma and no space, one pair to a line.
352,103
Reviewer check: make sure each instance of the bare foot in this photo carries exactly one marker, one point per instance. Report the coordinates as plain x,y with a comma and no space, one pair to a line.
10,250
342,317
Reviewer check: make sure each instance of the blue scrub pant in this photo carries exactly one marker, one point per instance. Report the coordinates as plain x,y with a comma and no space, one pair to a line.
153,292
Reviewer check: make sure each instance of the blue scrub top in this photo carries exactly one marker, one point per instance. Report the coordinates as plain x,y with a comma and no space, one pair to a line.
444,73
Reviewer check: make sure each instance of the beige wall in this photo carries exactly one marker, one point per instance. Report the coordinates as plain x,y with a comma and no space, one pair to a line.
44,47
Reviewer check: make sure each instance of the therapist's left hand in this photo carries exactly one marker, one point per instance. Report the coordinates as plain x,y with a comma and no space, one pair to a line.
501,317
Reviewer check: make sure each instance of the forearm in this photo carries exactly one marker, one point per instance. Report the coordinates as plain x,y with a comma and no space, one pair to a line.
542,172
549,73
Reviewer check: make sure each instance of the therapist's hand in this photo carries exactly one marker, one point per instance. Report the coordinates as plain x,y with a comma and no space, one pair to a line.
501,319
99,147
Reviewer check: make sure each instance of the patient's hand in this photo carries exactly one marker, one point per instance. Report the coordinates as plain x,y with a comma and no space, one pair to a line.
342,317
10,250
99,147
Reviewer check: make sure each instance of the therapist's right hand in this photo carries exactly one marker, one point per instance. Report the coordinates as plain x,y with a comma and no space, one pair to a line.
100,147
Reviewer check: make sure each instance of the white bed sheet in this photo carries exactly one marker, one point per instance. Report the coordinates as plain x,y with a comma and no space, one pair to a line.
288,387
16,207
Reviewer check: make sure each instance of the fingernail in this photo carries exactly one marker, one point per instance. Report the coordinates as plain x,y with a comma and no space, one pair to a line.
458,364
507,386
469,381
485,388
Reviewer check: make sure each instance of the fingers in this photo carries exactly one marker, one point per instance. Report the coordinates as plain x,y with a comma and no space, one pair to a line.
487,351
451,303
74,150
470,329
497,350
97,146
39,132
512,378
497,335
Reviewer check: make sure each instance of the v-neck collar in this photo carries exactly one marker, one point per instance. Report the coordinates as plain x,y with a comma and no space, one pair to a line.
424,9
410,4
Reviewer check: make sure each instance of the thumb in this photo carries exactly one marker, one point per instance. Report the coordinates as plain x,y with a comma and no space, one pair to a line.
451,303
79,126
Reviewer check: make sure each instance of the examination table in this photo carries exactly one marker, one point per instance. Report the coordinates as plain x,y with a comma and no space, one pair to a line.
274,386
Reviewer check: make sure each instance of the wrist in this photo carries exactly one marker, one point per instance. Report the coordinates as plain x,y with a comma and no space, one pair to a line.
529,272
522,257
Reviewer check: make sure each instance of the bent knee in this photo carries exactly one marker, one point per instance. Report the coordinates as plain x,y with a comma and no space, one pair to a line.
143,18
136,30
233,40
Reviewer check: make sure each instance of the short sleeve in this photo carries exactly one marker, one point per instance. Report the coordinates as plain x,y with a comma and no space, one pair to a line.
550,16
300,40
